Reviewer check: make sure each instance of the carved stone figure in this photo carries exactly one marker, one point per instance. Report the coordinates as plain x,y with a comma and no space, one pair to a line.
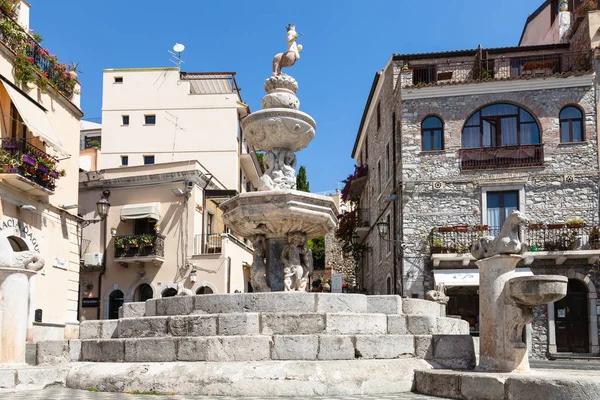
259,268
438,295
288,58
507,242
294,258
280,170
28,259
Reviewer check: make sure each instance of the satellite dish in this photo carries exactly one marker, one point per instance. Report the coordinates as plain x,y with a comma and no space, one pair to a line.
178,48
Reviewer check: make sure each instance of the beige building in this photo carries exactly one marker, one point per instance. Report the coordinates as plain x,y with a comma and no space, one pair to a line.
169,150
39,161
162,235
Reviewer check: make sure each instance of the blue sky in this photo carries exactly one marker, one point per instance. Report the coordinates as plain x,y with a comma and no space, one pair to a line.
345,43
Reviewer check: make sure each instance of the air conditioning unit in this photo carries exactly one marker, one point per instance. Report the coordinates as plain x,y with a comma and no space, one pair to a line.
92,259
569,178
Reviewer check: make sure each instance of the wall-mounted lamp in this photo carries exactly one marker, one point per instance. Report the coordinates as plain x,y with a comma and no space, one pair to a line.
27,207
102,208
193,277
69,206
382,226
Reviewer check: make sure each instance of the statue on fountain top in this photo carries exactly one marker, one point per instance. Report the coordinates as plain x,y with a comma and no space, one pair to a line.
288,58
507,242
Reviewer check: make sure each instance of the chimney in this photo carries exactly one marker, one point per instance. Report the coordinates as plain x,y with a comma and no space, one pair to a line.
564,21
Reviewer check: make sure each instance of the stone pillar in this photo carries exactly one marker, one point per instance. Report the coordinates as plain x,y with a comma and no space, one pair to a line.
274,264
14,307
496,353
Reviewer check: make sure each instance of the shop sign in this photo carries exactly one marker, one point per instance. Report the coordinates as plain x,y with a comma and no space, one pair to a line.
90,302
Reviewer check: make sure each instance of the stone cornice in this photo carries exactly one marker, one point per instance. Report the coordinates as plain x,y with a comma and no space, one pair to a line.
522,85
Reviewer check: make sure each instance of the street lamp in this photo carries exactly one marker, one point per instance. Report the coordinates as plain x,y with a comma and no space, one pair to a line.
355,240
102,208
383,226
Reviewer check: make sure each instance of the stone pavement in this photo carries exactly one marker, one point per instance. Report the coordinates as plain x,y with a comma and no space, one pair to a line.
71,394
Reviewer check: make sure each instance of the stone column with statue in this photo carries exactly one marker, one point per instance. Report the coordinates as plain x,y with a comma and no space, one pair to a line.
278,217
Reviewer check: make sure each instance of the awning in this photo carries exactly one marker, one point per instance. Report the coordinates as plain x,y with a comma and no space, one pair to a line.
35,118
466,277
139,211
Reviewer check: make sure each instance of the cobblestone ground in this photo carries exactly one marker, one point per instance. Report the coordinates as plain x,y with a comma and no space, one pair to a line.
70,394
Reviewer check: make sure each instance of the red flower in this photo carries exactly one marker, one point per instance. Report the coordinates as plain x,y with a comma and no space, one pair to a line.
30,59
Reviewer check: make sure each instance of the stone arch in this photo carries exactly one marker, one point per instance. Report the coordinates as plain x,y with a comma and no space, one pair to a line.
131,291
168,292
204,284
17,243
107,293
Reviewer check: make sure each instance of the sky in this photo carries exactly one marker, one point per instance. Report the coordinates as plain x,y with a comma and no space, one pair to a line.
345,43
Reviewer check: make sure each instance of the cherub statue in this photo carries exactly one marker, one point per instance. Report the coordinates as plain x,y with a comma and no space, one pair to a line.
287,278
292,54
293,256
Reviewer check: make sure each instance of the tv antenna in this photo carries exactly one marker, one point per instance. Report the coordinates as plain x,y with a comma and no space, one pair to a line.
177,50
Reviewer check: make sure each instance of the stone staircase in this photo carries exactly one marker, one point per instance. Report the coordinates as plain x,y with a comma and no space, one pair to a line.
289,332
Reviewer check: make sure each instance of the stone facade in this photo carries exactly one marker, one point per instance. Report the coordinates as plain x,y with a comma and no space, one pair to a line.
336,260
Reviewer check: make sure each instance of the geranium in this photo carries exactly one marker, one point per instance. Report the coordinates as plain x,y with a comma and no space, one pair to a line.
30,59
359,172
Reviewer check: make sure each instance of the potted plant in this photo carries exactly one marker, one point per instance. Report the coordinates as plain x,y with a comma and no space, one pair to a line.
556,226
147,240
480,227
436,246
120,241
595,238
157,228
113,231
133,241
95,144
536,226
29,160
577,222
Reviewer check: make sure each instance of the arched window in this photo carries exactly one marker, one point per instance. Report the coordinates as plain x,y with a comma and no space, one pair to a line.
204,290
432,134
500,125
144,292
170,292
571,125
17,244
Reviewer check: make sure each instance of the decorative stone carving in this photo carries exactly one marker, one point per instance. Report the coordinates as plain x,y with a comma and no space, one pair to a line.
271,128
297,262
438,295
507,242
31,260
259,267
280,168
281,93
288,58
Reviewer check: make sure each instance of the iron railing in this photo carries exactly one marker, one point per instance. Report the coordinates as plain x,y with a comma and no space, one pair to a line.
209,243
489,68
538,237
139,246
18,156
531,155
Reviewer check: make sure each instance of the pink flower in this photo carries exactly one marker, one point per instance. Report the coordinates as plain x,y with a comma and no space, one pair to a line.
30,59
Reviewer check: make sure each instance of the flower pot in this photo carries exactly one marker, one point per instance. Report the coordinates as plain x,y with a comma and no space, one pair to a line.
54,174
461,228
446,229
536,227
576,225
436,249
556,226
43,169
27,159
113,232
480,227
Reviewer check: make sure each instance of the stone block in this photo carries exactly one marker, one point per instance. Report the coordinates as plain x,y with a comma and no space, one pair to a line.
390,304
103,350
74,350
482,387
340,303
454,347
40,377
420,307
292,323
350,324
563,385
193,325
281,302
52,352
221,303
238,324
295,347
151,308
238,348
8,378
134,310
397,324
438,384
336,347
422,324
424,346
89,329
385,346
142,327
108,328
151,349
176,305
452,326
192,349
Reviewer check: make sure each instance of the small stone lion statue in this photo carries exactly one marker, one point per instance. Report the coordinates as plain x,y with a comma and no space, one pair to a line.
507,242
438,295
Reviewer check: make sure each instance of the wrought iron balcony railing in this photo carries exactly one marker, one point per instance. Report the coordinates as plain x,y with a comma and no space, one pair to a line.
494,67
18,156
538,237
363,218
502,157
209,243
149,245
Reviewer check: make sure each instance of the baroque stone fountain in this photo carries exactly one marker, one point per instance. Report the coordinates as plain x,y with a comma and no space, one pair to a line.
279,219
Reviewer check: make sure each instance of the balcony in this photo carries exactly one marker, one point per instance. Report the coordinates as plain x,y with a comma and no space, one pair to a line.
524,156
209,243
137,249
488,67
363,223
28,168
558,242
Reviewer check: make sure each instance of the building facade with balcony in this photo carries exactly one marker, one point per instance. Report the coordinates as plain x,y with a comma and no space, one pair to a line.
479,133
39,154
163,235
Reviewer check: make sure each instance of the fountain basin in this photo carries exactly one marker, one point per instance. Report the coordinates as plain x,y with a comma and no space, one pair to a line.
538,289
279,127
275,213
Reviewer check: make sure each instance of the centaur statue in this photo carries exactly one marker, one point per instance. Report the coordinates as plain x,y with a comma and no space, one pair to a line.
507,242
292,54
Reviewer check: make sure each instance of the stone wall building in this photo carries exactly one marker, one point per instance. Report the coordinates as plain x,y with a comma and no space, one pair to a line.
476,134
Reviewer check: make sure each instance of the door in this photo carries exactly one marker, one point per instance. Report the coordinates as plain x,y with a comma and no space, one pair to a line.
499,207
571,319
116,300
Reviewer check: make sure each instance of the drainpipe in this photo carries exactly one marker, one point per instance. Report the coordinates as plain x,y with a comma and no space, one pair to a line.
105,222
394,208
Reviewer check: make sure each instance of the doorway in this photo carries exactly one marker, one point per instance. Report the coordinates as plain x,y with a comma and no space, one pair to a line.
115,301
572,319
144,292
